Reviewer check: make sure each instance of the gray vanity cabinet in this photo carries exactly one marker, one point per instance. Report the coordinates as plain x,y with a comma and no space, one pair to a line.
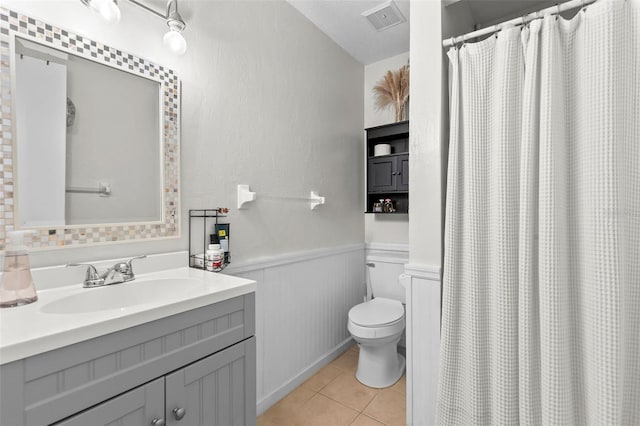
218,390
201,361
215,391
141,406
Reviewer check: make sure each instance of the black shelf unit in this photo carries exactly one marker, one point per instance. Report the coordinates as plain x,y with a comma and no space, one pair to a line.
388,175
206,215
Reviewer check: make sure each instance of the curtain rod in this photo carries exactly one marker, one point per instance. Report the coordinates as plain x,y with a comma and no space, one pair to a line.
572,4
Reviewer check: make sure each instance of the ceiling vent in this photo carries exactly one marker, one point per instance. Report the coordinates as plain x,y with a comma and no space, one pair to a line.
385,15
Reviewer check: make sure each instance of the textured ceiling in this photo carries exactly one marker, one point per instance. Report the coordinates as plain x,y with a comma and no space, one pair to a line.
343,22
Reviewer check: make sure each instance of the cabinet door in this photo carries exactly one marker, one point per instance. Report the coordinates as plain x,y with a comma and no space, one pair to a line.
402,183
218,390
138,407
382,176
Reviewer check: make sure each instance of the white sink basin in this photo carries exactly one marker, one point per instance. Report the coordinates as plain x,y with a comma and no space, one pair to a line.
126,295
68,314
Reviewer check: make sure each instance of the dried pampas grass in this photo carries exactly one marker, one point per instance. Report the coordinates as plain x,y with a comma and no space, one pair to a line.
393,90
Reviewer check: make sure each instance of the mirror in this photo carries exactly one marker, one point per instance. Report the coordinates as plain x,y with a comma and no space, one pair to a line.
93,142
83,158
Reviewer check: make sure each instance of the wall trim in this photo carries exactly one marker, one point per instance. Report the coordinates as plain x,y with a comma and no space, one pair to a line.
427,272
388,247
387,252
265,403
285,259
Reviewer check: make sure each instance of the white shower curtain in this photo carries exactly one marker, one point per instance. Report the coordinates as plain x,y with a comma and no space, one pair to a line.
541,292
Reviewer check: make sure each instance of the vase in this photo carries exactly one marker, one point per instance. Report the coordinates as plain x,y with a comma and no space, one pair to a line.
400,111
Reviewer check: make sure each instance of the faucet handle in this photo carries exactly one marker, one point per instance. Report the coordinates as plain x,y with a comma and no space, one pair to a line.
134,258
91,278
126,268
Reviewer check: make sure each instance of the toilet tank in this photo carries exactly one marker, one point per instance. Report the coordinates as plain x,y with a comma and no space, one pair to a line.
383,277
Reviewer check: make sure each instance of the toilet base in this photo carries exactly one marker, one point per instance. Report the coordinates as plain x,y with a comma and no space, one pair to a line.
379,366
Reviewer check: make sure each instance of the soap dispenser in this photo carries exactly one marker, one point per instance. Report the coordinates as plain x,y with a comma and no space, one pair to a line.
16,287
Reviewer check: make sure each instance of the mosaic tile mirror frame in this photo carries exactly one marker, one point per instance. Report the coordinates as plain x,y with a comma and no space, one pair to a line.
14,24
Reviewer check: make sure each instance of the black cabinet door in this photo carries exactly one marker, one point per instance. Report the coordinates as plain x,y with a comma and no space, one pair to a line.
388,173
382,176
402,173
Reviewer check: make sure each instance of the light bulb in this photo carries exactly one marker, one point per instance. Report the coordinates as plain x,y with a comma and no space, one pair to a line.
175,41
95,4
110,11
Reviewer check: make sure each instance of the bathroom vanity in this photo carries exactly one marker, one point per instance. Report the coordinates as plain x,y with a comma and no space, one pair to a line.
186,356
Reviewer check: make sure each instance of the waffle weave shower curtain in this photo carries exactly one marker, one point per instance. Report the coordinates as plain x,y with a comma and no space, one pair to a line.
541,293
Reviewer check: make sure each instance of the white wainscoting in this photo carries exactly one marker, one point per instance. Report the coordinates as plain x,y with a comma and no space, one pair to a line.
302,302
423,342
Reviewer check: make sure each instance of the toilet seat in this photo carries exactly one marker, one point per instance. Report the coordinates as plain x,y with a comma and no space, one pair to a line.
377,312
376,319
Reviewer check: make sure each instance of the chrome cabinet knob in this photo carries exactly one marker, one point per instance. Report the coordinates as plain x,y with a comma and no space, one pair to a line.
178,413
158,422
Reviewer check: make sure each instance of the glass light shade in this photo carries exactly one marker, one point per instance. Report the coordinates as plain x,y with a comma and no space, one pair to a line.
108,9
175,41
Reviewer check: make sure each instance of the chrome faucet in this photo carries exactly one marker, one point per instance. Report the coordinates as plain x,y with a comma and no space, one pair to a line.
119,273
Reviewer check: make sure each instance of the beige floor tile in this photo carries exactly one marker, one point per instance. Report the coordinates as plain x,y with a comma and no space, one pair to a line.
340,400
355,348
388,407
363,420
286,411
322,378
348,361
400,385
322,411
347,390
297,397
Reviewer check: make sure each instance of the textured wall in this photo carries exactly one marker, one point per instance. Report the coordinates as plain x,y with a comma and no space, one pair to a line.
372,73
268,100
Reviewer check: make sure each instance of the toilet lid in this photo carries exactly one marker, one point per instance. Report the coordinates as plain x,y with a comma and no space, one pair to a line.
376,312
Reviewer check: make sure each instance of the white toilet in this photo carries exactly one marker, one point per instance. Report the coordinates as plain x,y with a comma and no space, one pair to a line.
377,326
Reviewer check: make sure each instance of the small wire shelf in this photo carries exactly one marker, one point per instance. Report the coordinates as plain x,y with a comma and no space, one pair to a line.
205,216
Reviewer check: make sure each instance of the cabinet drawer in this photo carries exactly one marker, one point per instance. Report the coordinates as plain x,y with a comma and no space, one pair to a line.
138,407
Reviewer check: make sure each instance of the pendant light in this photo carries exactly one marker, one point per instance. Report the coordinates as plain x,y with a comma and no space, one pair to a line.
108,9
173,39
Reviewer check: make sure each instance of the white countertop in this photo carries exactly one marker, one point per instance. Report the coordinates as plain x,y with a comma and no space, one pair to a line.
33,329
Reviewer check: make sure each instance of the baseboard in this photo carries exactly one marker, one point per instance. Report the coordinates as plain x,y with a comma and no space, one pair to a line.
265,403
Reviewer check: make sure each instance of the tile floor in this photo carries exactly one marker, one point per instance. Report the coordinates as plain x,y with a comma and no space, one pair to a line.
333,397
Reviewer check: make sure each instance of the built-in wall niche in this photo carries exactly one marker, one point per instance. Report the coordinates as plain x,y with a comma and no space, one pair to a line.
90,139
